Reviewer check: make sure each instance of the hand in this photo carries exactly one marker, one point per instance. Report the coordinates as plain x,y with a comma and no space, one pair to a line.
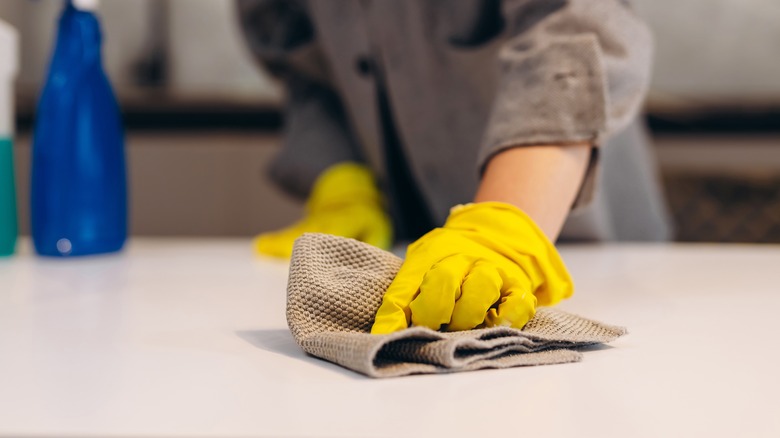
345,202
490,265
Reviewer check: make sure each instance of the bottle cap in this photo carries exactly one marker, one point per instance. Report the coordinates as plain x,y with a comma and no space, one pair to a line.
86,5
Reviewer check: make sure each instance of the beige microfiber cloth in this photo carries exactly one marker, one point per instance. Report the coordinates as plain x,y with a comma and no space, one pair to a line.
336,286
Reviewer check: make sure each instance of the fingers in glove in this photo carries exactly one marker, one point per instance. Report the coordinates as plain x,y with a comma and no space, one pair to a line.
517,304
394,313
278,243
438,292
379,233
480,290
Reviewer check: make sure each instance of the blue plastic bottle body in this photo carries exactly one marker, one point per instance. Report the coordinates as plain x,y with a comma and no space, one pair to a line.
79,188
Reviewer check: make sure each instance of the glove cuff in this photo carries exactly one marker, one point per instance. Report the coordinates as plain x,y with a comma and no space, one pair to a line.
343,184
500,217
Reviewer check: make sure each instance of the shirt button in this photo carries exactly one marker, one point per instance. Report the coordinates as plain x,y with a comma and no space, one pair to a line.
364,65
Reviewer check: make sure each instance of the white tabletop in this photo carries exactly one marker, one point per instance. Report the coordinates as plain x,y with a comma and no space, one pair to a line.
188,338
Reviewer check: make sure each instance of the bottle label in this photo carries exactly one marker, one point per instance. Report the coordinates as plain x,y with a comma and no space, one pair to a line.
8,224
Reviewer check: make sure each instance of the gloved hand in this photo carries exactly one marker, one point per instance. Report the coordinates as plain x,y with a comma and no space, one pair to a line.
345,202
488,266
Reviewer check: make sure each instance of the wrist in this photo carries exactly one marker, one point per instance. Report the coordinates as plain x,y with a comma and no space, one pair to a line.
541,180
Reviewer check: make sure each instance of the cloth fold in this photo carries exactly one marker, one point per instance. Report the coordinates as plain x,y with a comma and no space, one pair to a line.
336,286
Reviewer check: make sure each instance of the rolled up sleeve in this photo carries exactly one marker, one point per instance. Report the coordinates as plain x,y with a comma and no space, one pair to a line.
571,71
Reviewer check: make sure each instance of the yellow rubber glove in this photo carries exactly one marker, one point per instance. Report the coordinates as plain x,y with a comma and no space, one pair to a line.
488,266
345,202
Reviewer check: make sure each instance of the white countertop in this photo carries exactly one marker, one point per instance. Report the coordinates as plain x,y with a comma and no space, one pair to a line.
188,338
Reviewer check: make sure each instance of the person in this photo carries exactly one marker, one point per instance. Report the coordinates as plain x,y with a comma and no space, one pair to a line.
475,128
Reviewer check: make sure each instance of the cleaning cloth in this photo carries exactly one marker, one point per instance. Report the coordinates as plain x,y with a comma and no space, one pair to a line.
336,286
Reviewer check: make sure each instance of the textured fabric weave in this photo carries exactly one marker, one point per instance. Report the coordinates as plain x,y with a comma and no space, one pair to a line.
336,286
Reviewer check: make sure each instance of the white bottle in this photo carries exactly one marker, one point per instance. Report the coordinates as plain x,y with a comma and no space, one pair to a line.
9,64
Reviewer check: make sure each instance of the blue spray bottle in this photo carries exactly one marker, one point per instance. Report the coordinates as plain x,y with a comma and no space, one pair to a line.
79,188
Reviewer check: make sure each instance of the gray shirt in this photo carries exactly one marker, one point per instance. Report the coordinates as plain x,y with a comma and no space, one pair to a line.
464,80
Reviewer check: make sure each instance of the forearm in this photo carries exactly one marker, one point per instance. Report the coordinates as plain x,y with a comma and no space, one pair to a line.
543,181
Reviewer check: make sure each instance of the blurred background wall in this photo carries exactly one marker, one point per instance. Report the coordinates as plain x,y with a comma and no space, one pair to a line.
714,52
203,119
194,46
